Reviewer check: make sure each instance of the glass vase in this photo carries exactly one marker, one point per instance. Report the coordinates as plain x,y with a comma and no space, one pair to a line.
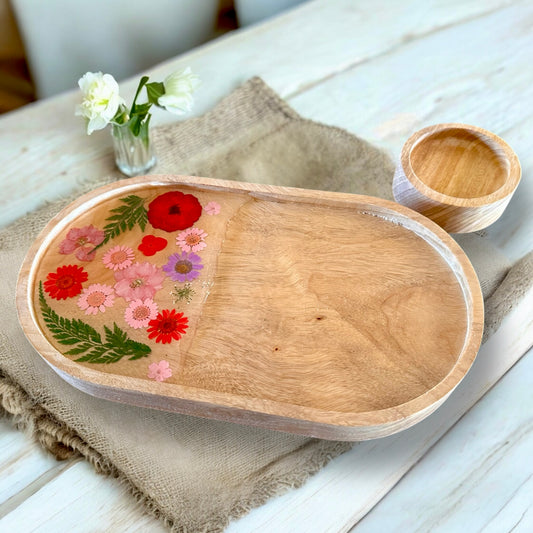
134,155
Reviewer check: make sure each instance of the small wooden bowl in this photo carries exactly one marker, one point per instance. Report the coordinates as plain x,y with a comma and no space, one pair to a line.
462,177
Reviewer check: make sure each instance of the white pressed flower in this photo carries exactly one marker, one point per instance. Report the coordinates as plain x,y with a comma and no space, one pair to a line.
101,100
179,87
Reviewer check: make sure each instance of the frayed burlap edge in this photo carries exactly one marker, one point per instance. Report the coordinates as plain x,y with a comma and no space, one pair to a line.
62,442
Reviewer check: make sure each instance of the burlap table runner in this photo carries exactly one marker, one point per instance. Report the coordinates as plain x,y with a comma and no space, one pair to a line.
192,473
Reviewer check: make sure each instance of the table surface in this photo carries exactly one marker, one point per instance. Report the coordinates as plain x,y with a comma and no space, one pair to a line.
381,69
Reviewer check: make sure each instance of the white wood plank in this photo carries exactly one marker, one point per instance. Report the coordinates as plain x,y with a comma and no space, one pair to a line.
478,477
44,145
321,38
81,501
22,463
477,72
517,513
467,68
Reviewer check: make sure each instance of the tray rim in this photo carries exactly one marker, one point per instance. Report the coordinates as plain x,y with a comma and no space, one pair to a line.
256,411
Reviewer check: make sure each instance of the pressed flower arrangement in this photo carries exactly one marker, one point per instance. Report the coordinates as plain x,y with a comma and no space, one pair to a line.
125,286
102,105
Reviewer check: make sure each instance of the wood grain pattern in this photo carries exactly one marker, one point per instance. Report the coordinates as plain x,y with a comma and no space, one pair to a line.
461,177
23,464
327,314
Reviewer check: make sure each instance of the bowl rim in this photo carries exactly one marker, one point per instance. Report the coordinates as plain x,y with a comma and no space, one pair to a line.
511,182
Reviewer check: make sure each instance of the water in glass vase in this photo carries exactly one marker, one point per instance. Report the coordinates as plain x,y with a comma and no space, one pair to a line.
134,155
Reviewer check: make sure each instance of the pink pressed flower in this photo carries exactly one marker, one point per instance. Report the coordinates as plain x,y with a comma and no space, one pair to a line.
82,241
96,298
85,254
212,208
159,371
140,312
191,240
118,258
139,281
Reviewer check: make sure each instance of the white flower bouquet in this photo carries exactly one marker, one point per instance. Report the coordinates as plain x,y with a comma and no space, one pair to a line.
103,105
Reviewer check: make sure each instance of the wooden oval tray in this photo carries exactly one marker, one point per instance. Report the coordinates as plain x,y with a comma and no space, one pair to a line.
326,314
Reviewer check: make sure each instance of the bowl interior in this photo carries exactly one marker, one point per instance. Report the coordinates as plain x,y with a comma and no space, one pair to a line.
460,163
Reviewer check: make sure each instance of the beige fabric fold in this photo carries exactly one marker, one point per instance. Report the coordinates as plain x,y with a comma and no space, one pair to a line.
195,474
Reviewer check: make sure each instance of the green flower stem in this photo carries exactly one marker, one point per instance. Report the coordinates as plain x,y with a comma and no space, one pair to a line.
121,116
139,116
142,83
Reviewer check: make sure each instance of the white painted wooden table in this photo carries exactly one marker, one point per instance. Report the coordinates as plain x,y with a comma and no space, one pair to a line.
381,69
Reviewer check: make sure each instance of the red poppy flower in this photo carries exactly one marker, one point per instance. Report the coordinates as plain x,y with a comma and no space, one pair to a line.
174,211
167,325
65,282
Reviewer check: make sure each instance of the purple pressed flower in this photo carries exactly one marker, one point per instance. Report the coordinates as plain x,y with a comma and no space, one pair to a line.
183,267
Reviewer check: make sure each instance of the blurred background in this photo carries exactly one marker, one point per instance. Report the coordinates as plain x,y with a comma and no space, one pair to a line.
46,46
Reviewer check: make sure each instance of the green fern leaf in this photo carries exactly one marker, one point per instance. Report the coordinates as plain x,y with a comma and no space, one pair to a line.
86,340
125,217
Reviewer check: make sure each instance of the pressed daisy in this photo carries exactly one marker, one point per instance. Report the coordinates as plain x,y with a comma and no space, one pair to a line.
138,281
65,282
167,326
212,208
140,312
191,240
81,242
183,267
96,297
159,371
118,258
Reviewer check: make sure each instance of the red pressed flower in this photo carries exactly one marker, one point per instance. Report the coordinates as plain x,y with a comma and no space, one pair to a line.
167,325
151,244
174,211
65,282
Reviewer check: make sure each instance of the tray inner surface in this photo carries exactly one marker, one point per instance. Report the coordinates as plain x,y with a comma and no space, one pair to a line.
307,304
